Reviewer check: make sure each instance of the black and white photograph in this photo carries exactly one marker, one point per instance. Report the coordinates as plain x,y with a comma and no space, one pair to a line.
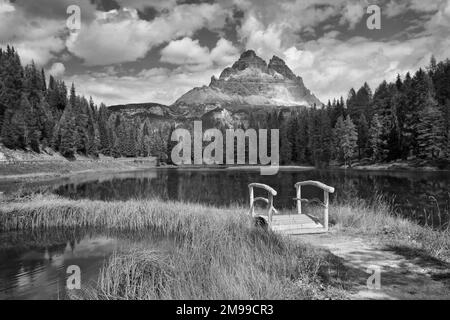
226,157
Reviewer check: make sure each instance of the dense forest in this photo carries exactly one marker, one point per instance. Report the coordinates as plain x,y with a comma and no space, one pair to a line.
36,116
408,119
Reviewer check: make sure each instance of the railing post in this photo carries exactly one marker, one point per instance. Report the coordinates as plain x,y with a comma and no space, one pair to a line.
270,209
252,208
326,201
299,202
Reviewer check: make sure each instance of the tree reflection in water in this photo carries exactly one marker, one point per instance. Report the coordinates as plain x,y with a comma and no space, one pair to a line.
416,195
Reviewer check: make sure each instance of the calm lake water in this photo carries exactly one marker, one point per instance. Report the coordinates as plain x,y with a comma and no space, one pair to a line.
33,266
415,194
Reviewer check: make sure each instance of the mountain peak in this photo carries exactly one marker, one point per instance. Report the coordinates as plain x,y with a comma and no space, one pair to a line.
251,81
249,59
280,66
248,54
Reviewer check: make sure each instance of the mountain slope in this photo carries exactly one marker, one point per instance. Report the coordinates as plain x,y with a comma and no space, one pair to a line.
251,82
249,86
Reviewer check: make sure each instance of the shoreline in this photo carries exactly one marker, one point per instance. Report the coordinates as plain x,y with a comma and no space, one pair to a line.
46,170
360,236
392,166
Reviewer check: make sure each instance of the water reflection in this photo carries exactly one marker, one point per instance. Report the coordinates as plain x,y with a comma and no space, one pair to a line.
410,191
33,265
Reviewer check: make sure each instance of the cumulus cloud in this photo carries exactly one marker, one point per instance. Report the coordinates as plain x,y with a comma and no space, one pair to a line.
352,14
121,36
269,28
142,4
331,67
192,56
334,62
116,36
160,85
5,6
224,53
266,41
57,69
55,9
120,42
36,39
185,51
330,64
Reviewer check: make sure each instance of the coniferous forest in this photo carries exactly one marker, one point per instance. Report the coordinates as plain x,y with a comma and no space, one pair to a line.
408,119
35,115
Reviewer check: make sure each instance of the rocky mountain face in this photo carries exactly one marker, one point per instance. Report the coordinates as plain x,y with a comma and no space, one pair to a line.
250,85
251,82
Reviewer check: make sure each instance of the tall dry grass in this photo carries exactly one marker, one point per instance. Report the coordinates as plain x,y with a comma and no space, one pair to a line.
216,253
379,220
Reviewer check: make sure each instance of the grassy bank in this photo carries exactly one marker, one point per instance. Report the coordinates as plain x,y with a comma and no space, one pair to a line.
216,253
49,169
378,221
219,253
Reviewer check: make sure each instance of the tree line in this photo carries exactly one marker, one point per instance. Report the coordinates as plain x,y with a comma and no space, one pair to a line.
408,119
35,115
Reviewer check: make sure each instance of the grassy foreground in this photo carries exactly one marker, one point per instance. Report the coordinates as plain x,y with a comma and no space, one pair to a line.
216,253
378,220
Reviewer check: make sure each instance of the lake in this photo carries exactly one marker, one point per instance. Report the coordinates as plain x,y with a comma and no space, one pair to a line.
33,265
417,195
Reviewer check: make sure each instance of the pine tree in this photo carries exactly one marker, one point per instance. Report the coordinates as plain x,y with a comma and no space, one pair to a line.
18,133
11,75
33,134
285,146
360,103
377,144
417,97
68,133
301,149
314,136
325,138
44,81
363,136
106,142
346,138
430,132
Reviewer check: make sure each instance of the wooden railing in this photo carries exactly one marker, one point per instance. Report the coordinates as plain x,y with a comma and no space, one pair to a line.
326,191
269,200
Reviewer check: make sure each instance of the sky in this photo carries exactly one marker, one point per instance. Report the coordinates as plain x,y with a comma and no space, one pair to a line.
134,51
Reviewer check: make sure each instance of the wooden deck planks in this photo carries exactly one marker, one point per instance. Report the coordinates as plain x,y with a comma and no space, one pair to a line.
296,224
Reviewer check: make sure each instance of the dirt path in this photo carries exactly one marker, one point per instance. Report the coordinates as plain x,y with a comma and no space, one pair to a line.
403,274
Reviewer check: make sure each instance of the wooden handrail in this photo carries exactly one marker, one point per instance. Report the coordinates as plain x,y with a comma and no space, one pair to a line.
326,199
263,186
261,199
269,201
315,184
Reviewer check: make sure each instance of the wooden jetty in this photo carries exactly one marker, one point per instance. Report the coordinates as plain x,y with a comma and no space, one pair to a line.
292,224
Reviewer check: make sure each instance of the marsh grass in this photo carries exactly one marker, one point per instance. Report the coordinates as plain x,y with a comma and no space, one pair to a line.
215,254
378,219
